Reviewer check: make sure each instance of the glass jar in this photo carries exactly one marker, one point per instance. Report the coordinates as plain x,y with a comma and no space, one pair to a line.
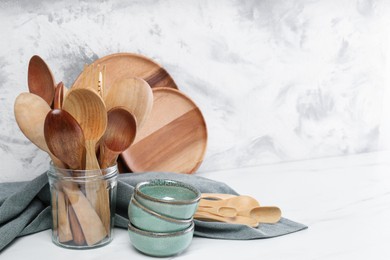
83,206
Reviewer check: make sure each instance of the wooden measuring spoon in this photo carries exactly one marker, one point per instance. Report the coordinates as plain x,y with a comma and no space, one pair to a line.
235,220
40,79
267,214
119,135
65,138
240,203
134,94
220,211
30,113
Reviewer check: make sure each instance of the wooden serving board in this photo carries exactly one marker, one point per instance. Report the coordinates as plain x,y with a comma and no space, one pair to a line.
126,65
173,138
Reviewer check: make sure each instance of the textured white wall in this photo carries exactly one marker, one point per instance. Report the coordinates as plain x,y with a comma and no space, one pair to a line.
276,80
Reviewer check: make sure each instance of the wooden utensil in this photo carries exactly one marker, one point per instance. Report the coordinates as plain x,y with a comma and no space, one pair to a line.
134,94
40,79
235,220
119,135
93,229
173,139
59,96
64,230
30,112
126,65
220,211
88,108
266,214
240,203
217,196
65,138
78,236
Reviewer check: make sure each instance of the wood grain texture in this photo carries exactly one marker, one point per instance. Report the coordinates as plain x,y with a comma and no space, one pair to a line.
40,79
133,94
89,110
30,112
64,230
173,139
125,65
120,134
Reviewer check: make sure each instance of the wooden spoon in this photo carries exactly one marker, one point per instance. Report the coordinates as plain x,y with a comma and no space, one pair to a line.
30,113
134,94
263,214
119,135
40,79
88,108
58,96
240,203
220,211
235,220
65,138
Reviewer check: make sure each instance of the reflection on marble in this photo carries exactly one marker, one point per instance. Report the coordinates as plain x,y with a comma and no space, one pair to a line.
276,80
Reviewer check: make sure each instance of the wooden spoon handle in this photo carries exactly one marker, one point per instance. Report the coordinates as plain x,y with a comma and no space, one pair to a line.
220,211
64,231
236,220
91,225
78,236
267,214
218,196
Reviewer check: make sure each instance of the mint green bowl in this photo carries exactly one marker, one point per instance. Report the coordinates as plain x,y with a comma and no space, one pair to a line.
160,244
169,198
146,219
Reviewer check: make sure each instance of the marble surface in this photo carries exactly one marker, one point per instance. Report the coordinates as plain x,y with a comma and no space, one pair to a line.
276,80
344,201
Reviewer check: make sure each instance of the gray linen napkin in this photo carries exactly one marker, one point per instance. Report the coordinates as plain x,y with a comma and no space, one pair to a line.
25,208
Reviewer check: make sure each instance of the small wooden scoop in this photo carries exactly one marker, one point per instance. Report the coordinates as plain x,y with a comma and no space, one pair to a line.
263,214
240,203
235,220
221,211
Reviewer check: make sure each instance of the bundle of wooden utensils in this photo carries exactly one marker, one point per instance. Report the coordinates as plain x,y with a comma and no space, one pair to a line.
82,128
234,209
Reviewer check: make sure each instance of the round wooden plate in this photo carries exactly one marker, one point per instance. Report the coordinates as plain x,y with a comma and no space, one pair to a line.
125,65
173,138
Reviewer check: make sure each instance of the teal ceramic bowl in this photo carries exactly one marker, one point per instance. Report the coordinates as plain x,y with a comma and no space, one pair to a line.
169,198
160,244
146,219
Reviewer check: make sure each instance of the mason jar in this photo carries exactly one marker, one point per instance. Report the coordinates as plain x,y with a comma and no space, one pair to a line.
83,206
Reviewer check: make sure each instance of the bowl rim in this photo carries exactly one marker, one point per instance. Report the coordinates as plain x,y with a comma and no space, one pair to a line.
155,182
135,202
142,232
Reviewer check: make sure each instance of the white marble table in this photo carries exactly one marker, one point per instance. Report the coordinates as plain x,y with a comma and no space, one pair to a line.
345,201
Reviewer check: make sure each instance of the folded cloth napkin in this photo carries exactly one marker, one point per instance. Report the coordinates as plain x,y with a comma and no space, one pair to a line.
25,208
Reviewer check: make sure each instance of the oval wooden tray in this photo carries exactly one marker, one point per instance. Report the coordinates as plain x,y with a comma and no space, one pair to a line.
173,139
125,65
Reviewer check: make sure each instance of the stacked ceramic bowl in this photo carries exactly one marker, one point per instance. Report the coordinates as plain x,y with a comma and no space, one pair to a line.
161,216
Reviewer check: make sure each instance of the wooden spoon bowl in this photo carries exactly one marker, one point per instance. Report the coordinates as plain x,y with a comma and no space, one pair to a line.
40,79
119,135
133,94
65,138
